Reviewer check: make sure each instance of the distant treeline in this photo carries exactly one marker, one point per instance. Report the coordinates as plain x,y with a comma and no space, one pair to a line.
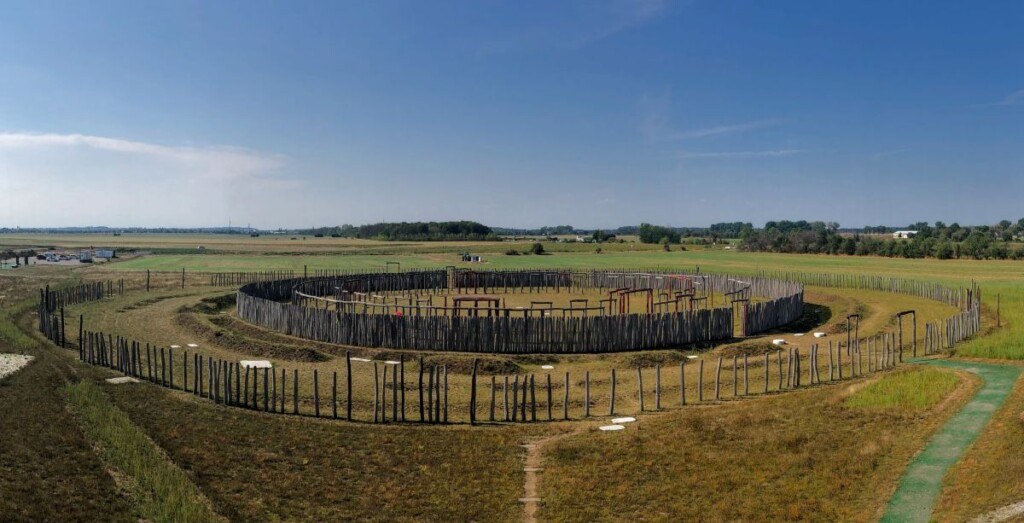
931,241
409,231
130,230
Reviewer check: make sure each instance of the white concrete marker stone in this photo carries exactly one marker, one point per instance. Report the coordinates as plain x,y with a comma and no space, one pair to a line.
175,346
361,359
799,334
619,421
692,357
256,364
193,345
612,427
11,363
547,367
778,341
819,334
392,362
121,380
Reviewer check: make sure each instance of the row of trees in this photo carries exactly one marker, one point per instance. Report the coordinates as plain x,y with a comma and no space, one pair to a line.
935,241
410,231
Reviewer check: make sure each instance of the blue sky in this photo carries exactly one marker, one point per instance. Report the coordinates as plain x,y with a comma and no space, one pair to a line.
594,113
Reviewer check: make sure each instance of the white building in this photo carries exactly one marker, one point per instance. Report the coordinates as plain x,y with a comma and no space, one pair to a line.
904,234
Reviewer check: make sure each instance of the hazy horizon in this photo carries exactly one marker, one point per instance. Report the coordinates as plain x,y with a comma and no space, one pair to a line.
600,114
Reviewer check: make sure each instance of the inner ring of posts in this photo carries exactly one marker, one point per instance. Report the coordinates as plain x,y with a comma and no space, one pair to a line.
473,293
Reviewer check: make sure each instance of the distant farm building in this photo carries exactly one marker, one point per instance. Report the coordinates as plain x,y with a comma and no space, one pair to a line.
105,254
904,234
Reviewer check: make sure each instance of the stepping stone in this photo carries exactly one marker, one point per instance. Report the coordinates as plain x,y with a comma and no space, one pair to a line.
799,334
175,346
691,357
256,364
193,345
612,427
627,419
778,341
819,334
121,380
547,367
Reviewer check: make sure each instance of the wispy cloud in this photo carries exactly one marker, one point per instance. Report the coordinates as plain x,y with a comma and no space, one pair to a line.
624,15
656,125
740,154
1014,98
216,161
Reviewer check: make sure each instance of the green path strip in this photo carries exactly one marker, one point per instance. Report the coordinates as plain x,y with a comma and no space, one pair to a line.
918,489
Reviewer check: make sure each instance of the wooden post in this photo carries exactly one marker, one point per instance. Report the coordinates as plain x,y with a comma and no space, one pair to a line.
472,394
182,277
640,386
586,395
533,398
494,397
147,280
515,399
746,380
565,398
682,383
504,394
549,396
401,366
348,385
376,393
422,417
316,393
718,378
611,408
334,394
295,393
779,361
700,381
657,387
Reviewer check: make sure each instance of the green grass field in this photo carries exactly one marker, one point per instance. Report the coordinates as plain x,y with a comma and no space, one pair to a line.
827,453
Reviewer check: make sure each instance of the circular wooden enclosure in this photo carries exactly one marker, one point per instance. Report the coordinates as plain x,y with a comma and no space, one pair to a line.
468,311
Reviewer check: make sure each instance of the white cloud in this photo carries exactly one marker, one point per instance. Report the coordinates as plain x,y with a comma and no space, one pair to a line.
220,162
656,126
73,179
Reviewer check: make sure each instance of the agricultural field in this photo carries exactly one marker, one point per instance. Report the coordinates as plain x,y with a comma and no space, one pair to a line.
828,451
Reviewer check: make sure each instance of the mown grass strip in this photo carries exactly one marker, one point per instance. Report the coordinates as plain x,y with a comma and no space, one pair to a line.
163,491
917,389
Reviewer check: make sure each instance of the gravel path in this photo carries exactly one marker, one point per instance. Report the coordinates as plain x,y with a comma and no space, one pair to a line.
10,363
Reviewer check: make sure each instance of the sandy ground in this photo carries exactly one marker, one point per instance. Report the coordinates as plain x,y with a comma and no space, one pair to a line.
10,363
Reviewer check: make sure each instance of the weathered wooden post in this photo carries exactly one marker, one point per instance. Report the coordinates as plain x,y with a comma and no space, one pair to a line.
376,394
657,387
586,395
515,399
549,397
401,366
533,398
718,378
700,381
472,394
565,398
295,392
316,393
746,377
640,386
735,376
182,277
682,382
611,408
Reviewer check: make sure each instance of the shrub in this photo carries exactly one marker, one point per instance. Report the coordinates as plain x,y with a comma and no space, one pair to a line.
511,252
537,248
